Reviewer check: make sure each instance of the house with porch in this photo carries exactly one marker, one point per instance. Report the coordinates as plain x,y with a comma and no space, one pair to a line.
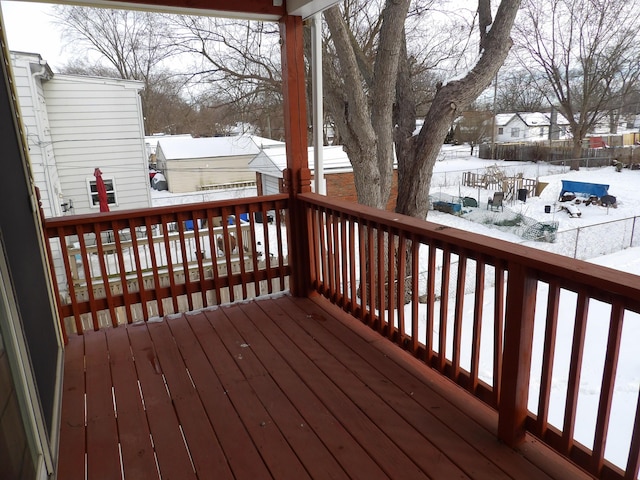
319,353
75,124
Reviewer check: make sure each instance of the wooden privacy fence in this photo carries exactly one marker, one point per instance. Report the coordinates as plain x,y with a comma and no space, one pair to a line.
121,267
362,260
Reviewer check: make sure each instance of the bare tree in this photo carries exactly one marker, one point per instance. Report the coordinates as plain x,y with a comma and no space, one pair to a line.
378,56
517,91
129,44
240,61
415,168
588,52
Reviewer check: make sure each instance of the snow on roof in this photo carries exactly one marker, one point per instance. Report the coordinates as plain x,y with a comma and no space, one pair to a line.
152,140
530,119
273,161
534,119
179,148
503,118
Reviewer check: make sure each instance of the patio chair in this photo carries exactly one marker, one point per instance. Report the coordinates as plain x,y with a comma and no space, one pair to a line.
496,202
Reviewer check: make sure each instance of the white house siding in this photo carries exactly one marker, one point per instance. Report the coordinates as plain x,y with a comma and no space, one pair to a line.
29,72
98,123
270,185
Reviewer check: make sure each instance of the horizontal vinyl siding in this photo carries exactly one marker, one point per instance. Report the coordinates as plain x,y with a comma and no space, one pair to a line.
188,175
37,136
271,184
98,125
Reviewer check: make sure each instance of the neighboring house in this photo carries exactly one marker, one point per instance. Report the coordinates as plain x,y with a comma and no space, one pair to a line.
270,163
75,124
192,164
526,127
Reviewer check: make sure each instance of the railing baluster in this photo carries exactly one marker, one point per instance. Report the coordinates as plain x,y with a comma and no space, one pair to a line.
279,241
458,315
371,275
498,329
444,307
86,267
362,249
575,369
138,267
608,383
344,244
168,253
214,255
352,267
415,311
380,279
330,254
336,257
477,323
105,278
314,240
553,302
154,267
391,290
431,303
254,252
633,463
401,287
240,247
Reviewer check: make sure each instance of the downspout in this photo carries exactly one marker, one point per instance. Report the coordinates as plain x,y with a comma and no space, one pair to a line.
318,111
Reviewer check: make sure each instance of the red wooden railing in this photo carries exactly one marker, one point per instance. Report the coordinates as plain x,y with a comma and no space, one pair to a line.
122,267
476,304
467,305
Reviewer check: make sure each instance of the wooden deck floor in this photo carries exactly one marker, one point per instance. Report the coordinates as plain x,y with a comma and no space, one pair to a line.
280,388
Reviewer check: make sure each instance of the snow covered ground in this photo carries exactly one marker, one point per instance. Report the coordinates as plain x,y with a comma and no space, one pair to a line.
577,236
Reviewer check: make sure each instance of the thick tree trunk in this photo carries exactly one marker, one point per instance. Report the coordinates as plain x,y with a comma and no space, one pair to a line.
450,100
576,153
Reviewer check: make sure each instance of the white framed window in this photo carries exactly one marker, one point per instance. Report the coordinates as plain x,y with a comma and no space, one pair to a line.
500,130
92,189
515,132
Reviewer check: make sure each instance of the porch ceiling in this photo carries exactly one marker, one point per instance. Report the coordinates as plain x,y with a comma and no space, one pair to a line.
250,9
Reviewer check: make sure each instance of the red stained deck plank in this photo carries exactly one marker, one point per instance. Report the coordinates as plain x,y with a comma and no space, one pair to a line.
243,457
273,447
72,428
531,460
303,441
201,440
408,397
304,361
172,455
135,439
103,456
284,388
353,458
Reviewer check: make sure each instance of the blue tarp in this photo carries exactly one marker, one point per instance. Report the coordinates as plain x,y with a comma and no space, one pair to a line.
591,189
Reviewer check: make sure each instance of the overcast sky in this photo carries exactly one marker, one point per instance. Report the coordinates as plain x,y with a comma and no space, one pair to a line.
29,28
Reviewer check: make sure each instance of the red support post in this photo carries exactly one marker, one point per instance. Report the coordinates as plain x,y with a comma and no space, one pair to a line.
297,176
516,360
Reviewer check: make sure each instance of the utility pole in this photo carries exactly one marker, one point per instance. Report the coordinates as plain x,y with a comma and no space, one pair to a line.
493,117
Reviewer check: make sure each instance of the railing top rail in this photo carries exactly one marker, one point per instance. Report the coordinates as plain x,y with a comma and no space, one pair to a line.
575,272
72,220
